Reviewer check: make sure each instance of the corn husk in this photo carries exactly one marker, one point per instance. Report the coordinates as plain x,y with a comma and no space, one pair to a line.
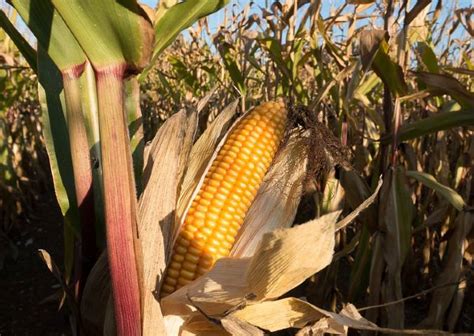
283,259
169,149
277,199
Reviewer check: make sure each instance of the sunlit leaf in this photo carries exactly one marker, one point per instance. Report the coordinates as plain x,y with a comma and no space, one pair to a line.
104,38
51,32
449,194
179,17
434,123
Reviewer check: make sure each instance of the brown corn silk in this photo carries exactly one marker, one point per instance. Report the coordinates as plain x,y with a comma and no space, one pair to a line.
229,188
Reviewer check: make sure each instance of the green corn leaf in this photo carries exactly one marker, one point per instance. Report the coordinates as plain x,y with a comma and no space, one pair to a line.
374,52
359,278
56,135
435,123
51,32
390,72
57,145
396,216
232,67
428,57
23,46
179,17
274,48
91,119
110,32
135,128
449,194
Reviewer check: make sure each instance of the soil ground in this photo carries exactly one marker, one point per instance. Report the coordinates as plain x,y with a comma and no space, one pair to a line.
28,304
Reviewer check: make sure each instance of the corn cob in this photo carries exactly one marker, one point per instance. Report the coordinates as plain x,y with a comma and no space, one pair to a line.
229,188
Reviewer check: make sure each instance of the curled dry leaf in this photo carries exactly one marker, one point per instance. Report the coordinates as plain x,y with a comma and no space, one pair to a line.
287,257
222,288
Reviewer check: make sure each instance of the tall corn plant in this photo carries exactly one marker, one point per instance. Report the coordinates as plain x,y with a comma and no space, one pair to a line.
96,47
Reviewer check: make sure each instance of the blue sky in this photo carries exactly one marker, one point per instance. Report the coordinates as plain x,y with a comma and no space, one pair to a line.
218,17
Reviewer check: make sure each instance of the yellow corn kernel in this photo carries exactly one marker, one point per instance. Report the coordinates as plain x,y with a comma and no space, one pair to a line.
230,186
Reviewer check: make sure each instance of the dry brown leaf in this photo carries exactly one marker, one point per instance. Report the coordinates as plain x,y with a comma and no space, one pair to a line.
446,84
277,199
323,327
280,314
157,205
199,325
287,257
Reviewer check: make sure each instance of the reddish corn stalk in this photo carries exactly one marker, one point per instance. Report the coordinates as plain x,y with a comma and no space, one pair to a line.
120,200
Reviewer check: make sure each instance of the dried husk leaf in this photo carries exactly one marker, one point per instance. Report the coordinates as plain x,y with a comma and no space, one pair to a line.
235,326
278,197
280,314
170,147
200,158
287,257
293,312
222,288
199,325
349,317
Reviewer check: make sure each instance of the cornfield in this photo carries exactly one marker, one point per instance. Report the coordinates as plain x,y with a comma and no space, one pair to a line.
245,168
